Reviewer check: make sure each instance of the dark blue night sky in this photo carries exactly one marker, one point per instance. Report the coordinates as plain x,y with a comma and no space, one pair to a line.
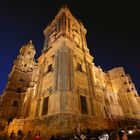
113,31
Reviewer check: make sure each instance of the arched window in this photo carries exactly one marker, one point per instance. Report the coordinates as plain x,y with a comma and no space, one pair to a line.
79,67
45,106
83,104
125,82
49,68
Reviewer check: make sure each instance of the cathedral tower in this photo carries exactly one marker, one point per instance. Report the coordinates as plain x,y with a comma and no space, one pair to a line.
66,64
18,81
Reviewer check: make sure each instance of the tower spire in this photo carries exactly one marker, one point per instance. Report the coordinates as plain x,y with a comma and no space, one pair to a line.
65,6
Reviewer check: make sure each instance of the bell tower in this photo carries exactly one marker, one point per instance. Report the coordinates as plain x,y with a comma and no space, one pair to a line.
66,69
19,80
23,65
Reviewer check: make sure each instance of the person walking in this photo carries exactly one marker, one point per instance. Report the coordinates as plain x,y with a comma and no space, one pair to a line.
37,135
122,135
12,135
19,134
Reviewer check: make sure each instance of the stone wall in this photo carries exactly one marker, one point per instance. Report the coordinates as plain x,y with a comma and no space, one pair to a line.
60,124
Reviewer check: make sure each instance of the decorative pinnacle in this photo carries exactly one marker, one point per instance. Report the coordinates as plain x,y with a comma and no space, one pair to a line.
30,41
65,6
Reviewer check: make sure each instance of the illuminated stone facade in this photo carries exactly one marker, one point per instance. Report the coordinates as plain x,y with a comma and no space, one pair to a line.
64,88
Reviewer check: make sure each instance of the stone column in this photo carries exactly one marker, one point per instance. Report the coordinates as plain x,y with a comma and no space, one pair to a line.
70,28
83,40
63,76
60,71
94,78
91,77
71,67
63,24
58,26
66,72
21,106
55,83
66,20
90,83
63,69
39,88
102,78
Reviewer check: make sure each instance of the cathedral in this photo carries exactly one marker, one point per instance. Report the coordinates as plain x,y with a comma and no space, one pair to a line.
64,89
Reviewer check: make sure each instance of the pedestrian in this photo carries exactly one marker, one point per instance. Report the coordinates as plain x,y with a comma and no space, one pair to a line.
104,136
78,129
75,134
88,133
37,135
12,135
19,134
122,135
